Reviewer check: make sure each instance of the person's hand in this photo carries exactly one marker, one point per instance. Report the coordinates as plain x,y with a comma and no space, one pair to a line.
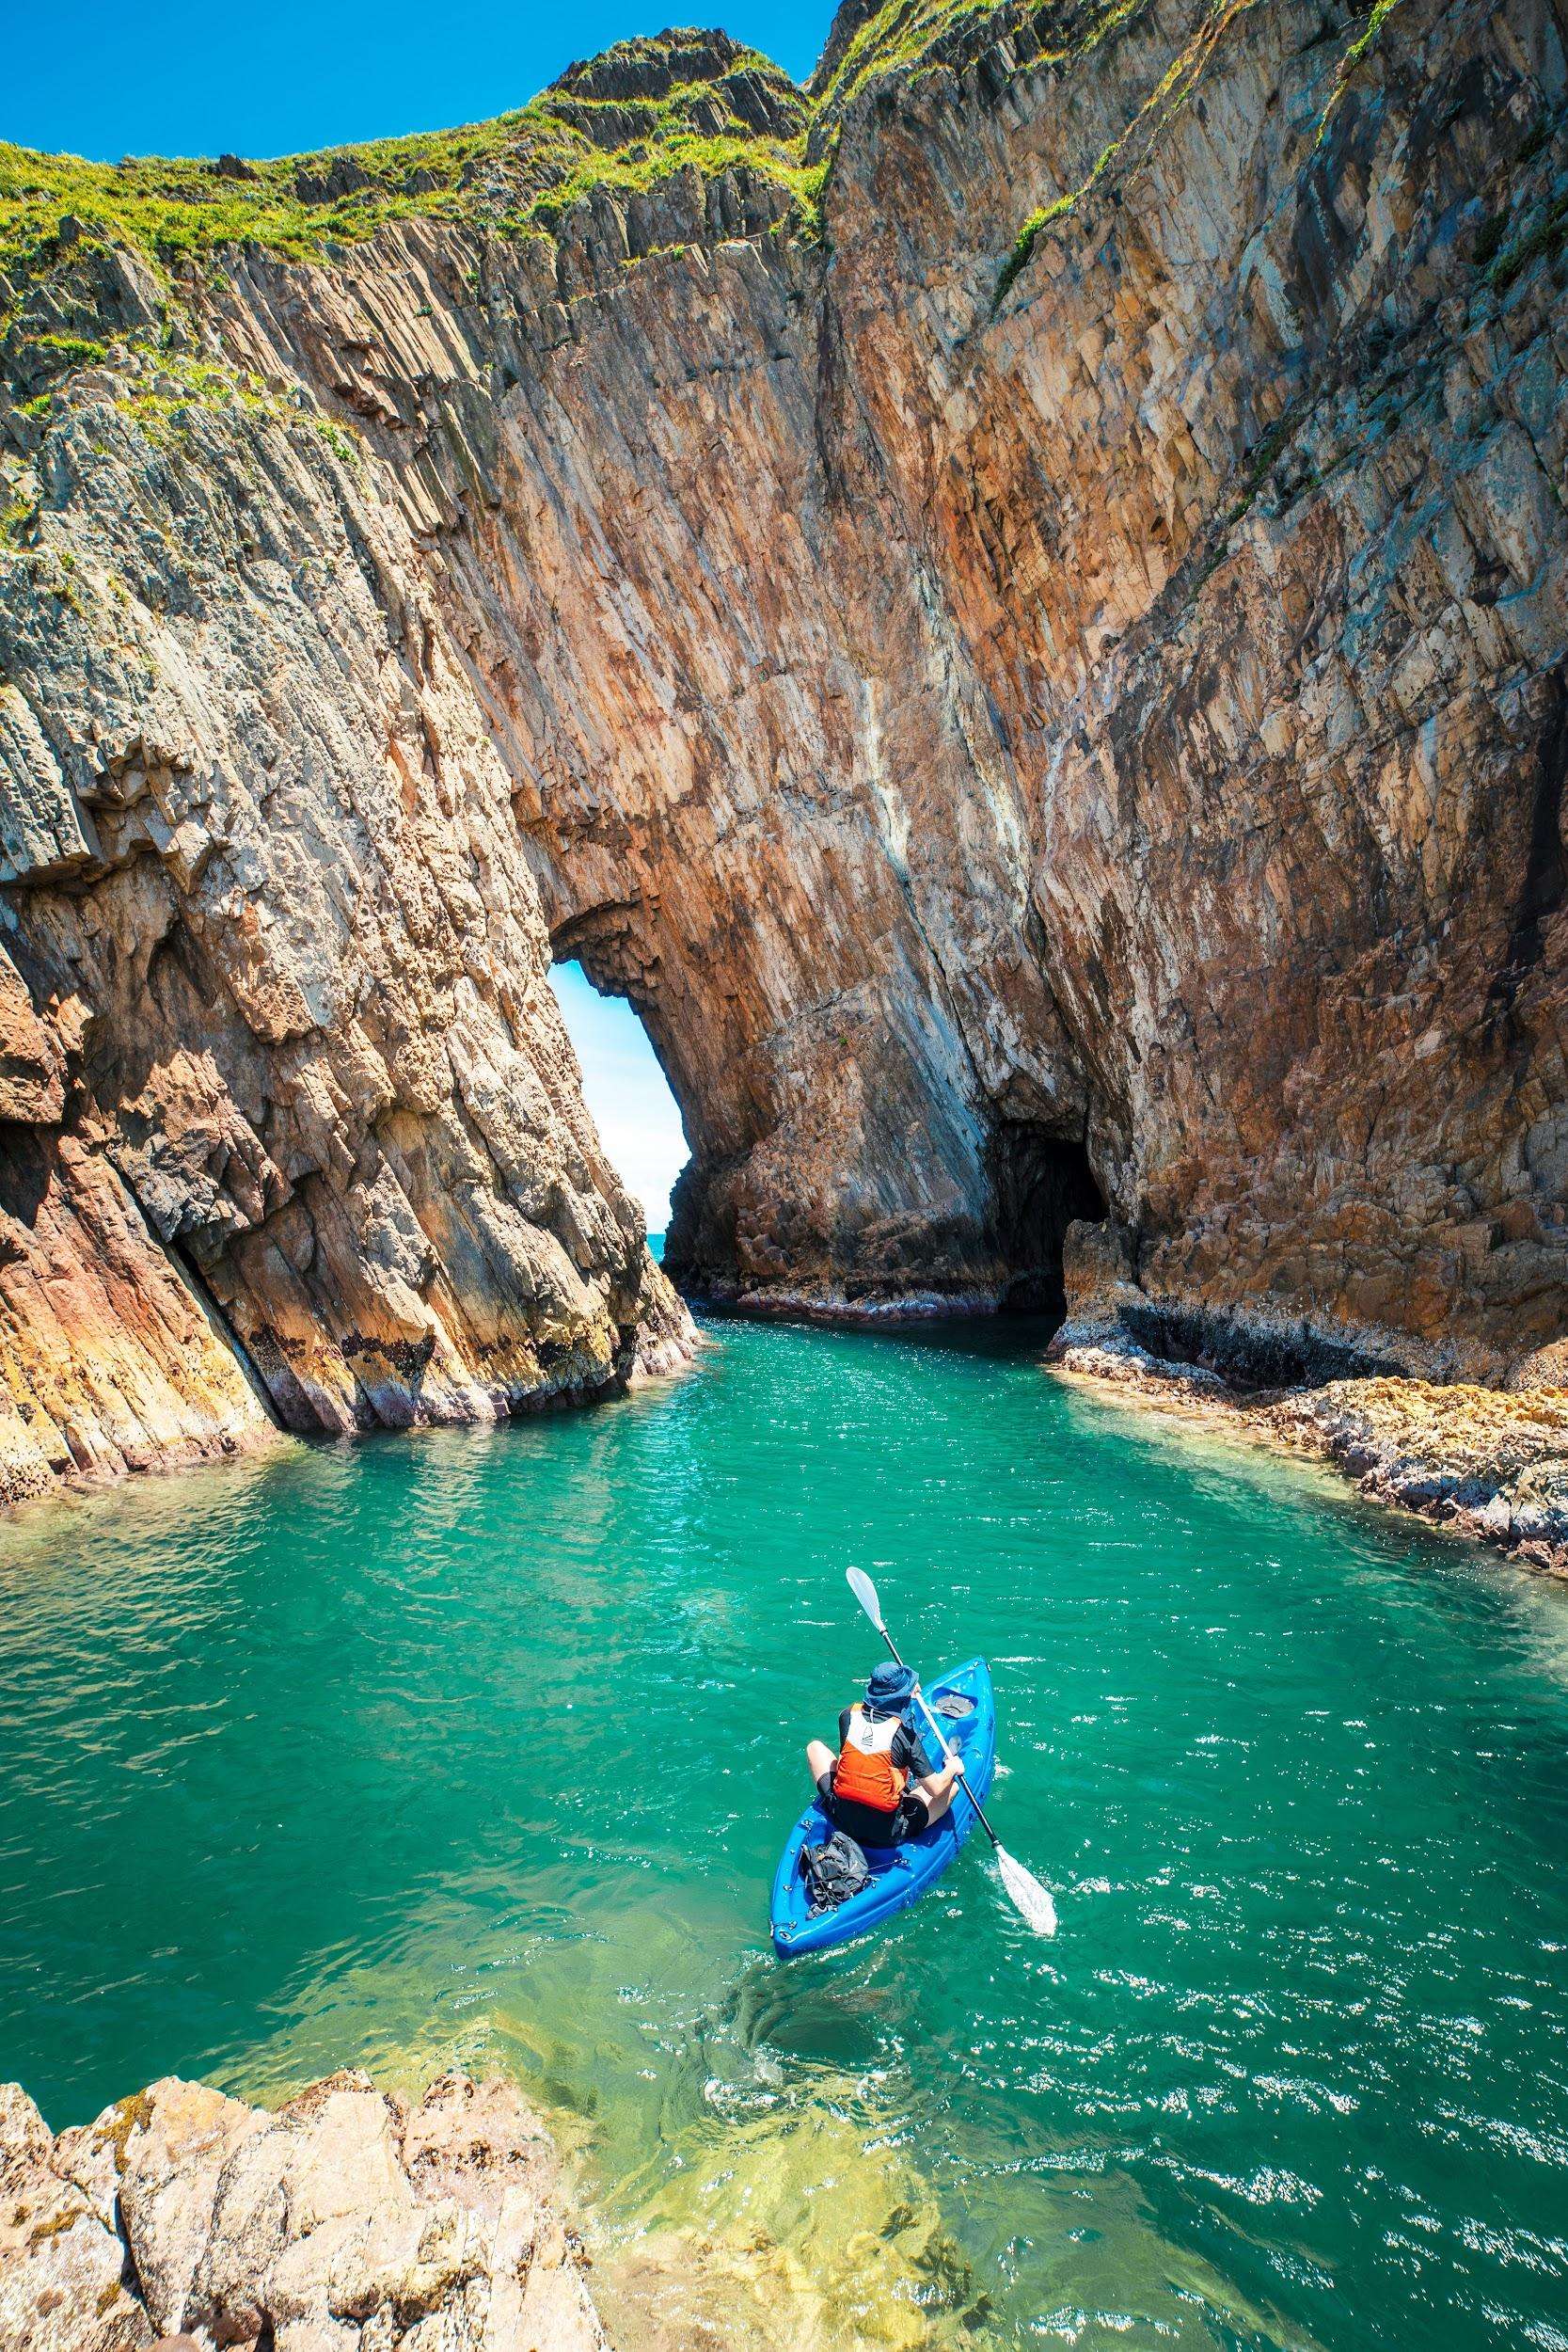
958,1768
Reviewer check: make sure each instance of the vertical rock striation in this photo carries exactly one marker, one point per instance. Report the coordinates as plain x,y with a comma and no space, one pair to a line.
1015,608
296,1062
1096,707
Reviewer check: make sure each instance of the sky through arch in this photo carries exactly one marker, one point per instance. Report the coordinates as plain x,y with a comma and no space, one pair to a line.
637,1116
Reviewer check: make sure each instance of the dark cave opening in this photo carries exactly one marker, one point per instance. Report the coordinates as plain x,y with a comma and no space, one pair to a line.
1041,1182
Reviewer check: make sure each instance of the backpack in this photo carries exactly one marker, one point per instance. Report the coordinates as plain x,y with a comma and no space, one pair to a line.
833,1871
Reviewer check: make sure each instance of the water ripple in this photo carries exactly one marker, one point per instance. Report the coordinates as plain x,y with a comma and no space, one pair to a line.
479,1748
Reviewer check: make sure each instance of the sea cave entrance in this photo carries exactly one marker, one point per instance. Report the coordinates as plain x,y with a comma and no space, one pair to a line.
637,1114
1040,1183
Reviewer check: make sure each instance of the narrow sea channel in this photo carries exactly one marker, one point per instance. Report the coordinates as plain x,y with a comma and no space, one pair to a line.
479,1748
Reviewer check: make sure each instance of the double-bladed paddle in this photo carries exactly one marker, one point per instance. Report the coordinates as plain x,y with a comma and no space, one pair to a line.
1032,1899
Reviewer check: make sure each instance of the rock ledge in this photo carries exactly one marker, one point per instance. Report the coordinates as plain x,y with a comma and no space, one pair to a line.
348,2221
1479,1462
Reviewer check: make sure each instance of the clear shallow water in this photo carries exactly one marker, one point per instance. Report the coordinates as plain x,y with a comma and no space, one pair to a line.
482,1747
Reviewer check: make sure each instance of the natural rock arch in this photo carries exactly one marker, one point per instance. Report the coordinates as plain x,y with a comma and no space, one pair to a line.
1092,681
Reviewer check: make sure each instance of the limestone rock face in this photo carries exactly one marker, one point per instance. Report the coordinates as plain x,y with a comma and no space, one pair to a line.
1100,734
1051,698
64,2281
287,1053
108,1360
347,2220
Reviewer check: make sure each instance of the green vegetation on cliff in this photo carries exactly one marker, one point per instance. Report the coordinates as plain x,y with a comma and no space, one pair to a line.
904,35
897,34
1069,30
642,113
624,122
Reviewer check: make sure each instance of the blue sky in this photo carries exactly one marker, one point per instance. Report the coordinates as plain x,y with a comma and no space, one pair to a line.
180,77
627,1093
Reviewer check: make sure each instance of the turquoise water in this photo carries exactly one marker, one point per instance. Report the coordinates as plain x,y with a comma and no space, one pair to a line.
482,1747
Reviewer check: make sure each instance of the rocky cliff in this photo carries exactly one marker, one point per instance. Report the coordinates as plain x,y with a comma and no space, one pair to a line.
1014,603
348,2219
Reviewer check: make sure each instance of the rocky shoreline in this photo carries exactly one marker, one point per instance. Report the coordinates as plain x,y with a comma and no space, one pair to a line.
349,2220
1011,601
28,1478
1482,1463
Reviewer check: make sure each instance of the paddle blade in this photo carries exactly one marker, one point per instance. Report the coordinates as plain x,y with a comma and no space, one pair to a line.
1030,1898
865,1593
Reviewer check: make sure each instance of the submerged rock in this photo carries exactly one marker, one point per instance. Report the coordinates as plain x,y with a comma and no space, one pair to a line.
348,2221
1485,1463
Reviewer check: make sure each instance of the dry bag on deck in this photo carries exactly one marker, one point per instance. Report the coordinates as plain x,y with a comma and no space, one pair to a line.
832,1871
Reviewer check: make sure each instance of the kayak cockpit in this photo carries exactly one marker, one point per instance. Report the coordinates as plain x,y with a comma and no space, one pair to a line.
964,1702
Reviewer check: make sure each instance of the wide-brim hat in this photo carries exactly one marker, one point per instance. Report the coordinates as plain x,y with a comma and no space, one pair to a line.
891,1688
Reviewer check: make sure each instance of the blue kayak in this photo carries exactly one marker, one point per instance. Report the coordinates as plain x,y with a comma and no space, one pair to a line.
964,1704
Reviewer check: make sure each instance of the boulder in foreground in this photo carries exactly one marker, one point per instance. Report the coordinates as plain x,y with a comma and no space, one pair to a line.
348,2221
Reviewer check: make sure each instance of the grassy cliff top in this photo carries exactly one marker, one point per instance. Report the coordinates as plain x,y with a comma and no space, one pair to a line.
638,114
623,122
867,40
902,36
643,111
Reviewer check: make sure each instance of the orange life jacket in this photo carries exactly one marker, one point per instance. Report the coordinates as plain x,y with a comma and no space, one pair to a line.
866,1772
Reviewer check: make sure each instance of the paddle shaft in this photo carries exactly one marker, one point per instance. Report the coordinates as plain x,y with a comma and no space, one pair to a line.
941,1743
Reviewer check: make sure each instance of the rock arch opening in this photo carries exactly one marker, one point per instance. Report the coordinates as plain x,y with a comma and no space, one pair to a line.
633,1106
1041,1182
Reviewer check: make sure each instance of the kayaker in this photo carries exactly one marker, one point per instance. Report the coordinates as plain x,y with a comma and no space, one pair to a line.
881,1787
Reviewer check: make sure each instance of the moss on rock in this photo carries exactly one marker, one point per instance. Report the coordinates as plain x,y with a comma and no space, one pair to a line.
644,111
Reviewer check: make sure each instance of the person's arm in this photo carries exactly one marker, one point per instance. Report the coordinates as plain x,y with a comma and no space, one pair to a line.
932,1777
843,1724
951,1769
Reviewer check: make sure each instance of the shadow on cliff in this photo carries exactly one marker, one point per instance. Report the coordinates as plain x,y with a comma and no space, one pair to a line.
1040,1183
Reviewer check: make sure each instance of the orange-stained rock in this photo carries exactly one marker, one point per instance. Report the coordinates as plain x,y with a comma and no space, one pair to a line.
1038,731
32,1064
108,1360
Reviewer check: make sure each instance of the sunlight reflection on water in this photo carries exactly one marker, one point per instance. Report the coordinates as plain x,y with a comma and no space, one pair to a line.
479,1747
